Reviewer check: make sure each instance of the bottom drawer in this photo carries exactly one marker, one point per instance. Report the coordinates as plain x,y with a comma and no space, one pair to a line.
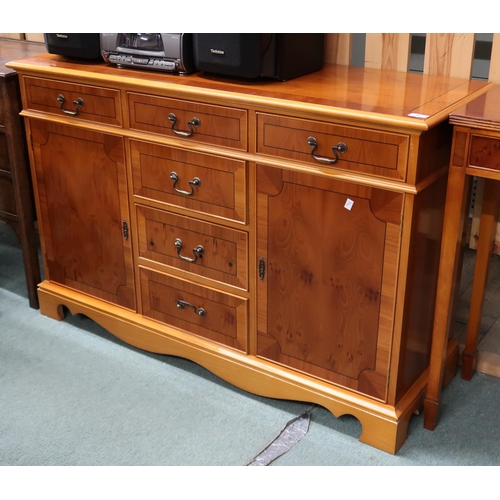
198,310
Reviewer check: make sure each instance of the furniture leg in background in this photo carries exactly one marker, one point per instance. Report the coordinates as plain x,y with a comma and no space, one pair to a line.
485,242
456,202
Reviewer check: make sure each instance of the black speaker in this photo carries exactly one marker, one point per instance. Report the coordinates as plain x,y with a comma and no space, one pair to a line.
251,55
234,54
77,45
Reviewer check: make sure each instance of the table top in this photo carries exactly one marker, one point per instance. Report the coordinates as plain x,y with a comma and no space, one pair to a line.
17,49
483,112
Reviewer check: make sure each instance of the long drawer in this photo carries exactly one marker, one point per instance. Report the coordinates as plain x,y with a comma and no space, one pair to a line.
198,122
200,182
81,102
319,143
203,249
198,310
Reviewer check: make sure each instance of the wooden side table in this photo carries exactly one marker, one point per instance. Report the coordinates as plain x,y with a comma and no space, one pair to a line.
16,194
475,152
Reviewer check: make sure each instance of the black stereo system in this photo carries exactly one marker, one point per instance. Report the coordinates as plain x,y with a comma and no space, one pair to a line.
281,56
251,55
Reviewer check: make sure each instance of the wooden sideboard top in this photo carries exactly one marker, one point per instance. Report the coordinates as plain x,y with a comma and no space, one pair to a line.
409,100
482,112
12,49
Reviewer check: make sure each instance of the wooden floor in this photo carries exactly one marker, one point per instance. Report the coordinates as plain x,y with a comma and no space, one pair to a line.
489,334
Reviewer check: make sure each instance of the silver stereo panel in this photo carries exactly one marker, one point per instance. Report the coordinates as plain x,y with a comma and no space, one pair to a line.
171,52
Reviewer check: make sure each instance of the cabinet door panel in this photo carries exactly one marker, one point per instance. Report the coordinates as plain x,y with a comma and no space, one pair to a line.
83,203
326,301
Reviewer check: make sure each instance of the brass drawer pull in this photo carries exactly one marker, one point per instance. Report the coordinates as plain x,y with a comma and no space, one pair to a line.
181,304
341,147
78,103
197,251
196,182
195,122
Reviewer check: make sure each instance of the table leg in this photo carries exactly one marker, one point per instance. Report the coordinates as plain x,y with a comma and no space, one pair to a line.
487,231
456,201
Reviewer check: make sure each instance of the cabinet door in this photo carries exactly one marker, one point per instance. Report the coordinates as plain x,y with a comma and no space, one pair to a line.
328,259
82,194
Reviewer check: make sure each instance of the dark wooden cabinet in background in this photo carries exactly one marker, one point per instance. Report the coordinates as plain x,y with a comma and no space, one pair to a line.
17,207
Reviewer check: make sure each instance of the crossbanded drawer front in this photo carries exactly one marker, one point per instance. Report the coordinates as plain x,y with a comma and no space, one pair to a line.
204,183
85,102
198,310
485,152
208,250
366,151
197,122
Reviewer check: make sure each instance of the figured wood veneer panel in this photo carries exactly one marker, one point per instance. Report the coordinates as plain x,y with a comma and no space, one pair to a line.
485,152
83,204
327,301
325,273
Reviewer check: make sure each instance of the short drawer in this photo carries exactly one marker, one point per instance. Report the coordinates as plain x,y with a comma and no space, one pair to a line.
366,151
85,102
198,310
485,152
200,182
208,250
197,122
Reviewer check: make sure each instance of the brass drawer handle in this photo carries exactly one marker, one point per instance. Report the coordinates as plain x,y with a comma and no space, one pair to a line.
181,304
195,122
341,147
197,251
196,182
78,103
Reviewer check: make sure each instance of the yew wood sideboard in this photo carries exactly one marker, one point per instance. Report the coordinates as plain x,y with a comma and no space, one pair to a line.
284,235
17,207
